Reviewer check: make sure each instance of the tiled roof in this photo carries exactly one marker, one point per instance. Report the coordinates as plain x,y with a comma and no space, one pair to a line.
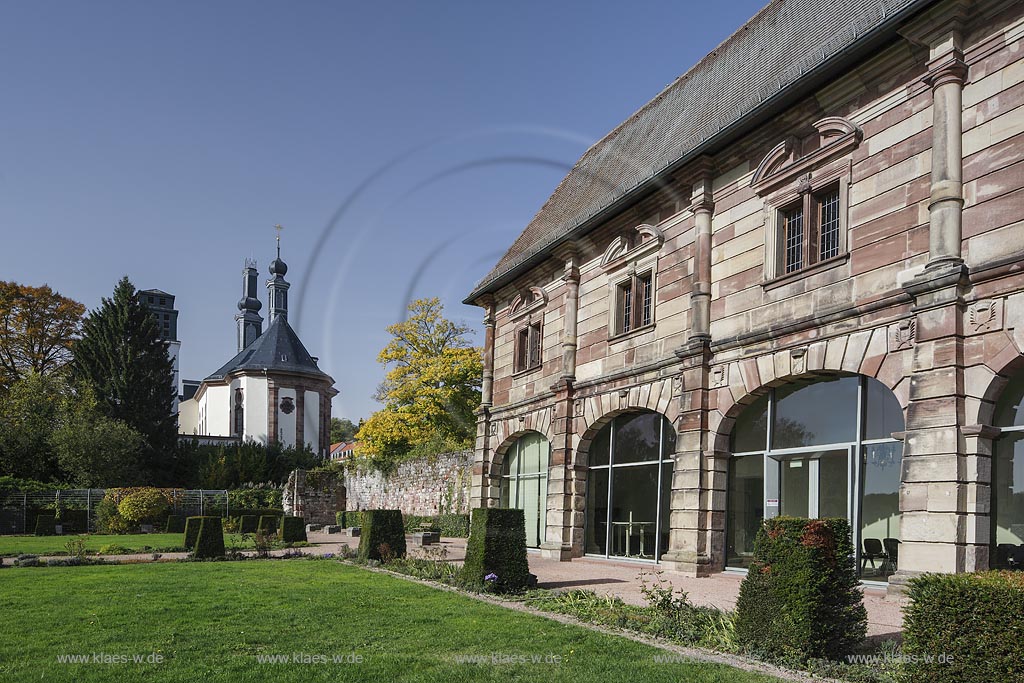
277,350
785,44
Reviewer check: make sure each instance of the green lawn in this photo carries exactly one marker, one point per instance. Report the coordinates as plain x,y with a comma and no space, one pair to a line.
55,545
210,621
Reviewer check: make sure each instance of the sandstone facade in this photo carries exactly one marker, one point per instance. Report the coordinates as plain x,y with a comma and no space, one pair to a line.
923,140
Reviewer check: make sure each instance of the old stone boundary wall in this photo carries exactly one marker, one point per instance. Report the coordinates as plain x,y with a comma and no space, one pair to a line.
427,486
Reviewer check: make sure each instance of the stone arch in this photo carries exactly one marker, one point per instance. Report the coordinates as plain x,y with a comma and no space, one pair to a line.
594,412
742,382
498,454
984,383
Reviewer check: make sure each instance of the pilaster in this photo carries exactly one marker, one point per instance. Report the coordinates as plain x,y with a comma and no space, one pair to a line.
566,502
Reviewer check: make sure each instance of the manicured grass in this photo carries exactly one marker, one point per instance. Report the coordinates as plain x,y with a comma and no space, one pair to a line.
55,545
210,621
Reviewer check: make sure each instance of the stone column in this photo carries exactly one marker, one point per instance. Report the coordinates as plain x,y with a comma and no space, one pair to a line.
703,206
487,386
563,536
571,278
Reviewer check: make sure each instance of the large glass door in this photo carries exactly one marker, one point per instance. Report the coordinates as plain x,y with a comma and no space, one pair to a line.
524,483
811,485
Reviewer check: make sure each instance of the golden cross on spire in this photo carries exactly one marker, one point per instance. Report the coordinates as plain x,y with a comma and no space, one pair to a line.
278,228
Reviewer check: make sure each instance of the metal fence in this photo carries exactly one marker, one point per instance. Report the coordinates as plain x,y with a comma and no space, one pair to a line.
19,509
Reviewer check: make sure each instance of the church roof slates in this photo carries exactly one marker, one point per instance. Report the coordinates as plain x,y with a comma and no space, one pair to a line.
729,88
276,350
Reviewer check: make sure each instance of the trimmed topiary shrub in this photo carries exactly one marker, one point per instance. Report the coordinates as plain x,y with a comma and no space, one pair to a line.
268,524
46,525
248,524
964,628
210,542
192,525
801,597
383,535
293,529
144,506
496,552
175,524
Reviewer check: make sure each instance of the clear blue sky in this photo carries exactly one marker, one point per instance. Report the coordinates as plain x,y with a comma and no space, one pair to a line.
163,140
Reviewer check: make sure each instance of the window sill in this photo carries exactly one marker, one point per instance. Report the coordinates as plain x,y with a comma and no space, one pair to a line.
632,333
818,267
527,371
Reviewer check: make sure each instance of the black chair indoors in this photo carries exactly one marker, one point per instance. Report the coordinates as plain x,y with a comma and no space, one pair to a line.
892,552
872,551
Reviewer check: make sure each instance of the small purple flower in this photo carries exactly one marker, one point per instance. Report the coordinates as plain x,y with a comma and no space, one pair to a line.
491,577
328,556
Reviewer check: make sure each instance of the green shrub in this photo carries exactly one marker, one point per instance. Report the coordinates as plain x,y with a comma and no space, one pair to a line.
108,519
496,552
268,524
144,506
192,525
969,625
45,525
248,524
383,535
801,598
453,525
254,499
210,542
175,524
293,529
349,518
73,521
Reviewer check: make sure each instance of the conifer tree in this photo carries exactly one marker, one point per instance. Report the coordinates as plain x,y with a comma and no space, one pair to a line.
121,356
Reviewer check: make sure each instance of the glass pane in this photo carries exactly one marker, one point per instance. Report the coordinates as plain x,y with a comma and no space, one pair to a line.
793,227
745,508
820,413
668,440
794,493
597,511
833,489
880,509
666,507
507,498
511,464
828,224
751,430
634,511
598,451
1010,409
534,453
530,490
1008,501
884,414
637,437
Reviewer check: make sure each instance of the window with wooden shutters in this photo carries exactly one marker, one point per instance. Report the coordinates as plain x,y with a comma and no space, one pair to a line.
529,347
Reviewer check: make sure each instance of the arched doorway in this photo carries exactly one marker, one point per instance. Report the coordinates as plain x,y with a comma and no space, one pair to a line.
1008,478
524,482
629,482
819,448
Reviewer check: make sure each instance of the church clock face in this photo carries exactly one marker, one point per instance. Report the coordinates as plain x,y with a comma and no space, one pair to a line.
287,405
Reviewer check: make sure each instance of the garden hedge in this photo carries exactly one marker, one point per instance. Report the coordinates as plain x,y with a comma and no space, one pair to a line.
175,524
192,525
381,527
210,542
74,521
964,628
247,524
46,525
497,546
349,518
452,525
801,597
293,529
268,524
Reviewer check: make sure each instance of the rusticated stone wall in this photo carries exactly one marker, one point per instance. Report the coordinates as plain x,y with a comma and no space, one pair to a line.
427,486
314,497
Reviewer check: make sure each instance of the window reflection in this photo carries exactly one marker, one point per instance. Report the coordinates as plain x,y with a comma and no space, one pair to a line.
816,414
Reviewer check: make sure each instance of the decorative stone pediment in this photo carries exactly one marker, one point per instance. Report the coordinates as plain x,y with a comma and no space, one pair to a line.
836,136
619,252
528,301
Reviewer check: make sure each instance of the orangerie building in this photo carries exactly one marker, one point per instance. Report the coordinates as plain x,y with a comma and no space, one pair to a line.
789,284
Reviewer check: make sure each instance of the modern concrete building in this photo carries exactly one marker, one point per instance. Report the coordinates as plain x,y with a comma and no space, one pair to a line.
161,305
789,284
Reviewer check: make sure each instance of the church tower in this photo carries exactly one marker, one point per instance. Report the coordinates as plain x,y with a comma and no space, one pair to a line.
277,286
249,321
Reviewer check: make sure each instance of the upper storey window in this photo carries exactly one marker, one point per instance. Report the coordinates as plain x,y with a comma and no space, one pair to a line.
806,198
631,262
527,309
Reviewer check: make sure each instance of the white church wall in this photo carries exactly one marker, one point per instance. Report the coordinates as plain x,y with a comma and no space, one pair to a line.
188,417
286,421
255,392
311,420
216,411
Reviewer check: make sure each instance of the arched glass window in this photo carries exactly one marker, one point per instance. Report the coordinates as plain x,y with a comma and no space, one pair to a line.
1008,479
819,448
629,483
524,483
